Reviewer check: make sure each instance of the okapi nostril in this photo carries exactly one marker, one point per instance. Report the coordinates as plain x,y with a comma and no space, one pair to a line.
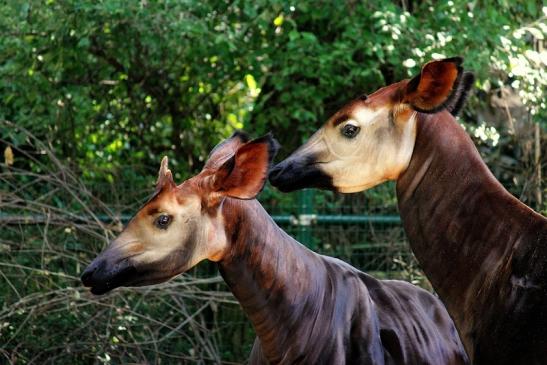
86,276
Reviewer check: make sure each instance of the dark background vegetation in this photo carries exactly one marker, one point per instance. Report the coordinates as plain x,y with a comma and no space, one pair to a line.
94,93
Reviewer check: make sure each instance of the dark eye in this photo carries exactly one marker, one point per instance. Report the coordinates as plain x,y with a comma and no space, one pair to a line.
350,131
163,221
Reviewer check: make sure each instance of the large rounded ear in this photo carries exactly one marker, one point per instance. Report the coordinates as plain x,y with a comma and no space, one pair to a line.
225,149
165,177
244,174
441,84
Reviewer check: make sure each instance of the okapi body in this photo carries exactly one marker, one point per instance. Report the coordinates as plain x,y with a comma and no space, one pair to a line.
305,308
313,309
483,250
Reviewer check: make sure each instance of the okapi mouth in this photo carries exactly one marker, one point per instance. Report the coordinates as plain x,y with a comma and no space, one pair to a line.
102,279
299,173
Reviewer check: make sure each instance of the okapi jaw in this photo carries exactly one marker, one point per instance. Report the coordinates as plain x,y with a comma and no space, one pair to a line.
182,225
371,139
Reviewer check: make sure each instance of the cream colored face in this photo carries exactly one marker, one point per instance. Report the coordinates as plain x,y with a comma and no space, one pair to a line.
190,234
364,146
183,225
169,235
371,139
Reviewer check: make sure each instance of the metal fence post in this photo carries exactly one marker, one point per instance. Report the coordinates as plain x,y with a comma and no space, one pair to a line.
305,217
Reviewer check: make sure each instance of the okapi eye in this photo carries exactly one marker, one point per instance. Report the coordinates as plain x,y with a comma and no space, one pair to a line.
163,221
350,130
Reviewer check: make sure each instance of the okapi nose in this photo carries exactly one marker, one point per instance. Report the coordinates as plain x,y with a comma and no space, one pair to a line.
87,276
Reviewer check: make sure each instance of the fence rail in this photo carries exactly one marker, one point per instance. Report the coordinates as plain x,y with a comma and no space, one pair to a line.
45,248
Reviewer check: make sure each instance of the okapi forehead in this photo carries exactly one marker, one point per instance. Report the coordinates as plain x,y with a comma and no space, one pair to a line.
385,97
167,197
157,203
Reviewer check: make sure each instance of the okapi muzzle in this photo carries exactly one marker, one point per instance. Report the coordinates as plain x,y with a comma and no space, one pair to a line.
301,170
108,271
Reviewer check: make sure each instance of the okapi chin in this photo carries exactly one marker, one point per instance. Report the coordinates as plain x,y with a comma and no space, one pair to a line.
483,250
305,308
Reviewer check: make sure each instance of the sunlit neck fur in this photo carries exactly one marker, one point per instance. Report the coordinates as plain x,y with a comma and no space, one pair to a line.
442,149
267,270
451,206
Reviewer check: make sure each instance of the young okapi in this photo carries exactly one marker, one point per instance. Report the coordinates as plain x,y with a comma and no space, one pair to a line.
482,249
305,308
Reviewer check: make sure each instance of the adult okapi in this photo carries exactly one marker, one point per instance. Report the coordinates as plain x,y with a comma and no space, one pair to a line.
483,250
305,308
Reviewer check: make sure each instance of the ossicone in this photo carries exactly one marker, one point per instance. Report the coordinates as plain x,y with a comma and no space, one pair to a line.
165,177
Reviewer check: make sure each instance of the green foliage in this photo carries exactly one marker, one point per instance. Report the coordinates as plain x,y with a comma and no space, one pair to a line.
110,87
114,83
330,54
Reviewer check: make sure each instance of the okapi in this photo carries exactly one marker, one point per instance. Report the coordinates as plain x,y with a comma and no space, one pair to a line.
305,308
483,250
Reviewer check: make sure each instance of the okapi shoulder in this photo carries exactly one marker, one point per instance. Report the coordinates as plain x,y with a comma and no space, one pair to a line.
402,323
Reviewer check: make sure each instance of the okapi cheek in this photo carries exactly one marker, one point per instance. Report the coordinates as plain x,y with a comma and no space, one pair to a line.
135,249
216,242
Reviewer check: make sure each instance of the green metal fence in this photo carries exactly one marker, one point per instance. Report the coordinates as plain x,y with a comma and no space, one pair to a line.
347,227
42,253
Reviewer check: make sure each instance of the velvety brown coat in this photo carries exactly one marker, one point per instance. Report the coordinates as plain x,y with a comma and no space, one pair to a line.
305,308
483,250
312,309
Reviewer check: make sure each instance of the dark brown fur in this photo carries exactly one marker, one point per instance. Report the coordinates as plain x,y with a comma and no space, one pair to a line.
483,250
312,309
305,308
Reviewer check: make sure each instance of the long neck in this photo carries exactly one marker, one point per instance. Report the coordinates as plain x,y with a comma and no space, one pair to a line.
273,277
461,223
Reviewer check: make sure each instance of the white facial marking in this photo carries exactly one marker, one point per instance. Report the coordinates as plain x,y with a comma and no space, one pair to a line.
366,116
190,229
380,151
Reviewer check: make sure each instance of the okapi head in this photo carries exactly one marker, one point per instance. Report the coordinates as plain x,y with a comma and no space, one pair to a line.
371,139
183,225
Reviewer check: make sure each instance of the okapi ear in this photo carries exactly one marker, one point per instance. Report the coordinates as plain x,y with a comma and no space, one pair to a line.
457,101
438,86
225,149
243,175
165,177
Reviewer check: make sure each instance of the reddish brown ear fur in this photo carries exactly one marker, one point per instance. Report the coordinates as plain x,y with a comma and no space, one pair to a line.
243,176
439,85
225,149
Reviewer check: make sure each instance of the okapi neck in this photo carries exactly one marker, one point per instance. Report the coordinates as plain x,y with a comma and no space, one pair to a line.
274,278
463,226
